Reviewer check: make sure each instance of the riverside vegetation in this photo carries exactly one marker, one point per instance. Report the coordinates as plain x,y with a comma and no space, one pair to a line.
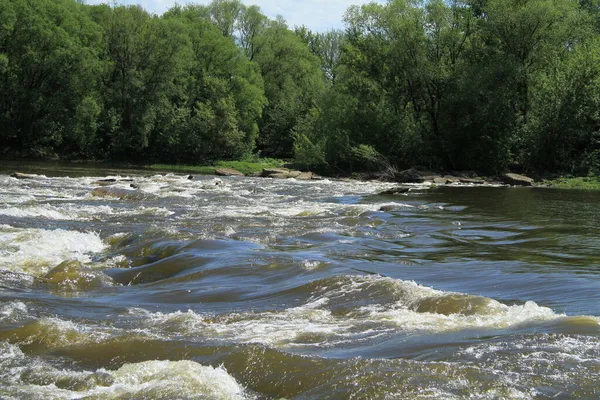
488,85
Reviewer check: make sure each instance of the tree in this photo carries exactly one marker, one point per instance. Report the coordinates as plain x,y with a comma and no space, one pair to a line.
222,98
48,58
327,46
293,82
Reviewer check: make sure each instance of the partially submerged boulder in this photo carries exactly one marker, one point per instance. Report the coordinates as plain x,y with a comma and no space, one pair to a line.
472,181
516,179
414,175
276,173
396,190
227,172
450,179
411,175
20,175
72,275
105,182
118,193
284,173
111,181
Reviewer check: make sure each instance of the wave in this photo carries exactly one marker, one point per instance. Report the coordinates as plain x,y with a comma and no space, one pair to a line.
36,251
354,309
24,376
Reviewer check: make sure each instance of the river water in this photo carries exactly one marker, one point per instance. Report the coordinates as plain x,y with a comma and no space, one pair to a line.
249,288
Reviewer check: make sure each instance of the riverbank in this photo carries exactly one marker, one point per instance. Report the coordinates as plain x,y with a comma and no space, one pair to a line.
582,183
246,167
254,167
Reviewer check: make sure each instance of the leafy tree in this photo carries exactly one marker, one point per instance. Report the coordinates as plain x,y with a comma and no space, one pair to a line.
459,84
327,46
147,55
223,96
293,81
49,63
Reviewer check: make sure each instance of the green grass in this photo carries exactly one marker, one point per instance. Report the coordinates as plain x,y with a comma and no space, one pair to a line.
244,166
585,183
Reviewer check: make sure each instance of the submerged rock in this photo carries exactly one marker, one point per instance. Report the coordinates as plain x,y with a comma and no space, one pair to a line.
396,190
227,172
105,182
72,275
276,173
472,181
119,193
414,175
20,175
112,181
451,179
284,173
516,179
411,175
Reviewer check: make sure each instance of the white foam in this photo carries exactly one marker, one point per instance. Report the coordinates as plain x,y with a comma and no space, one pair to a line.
174,379
13,311
311,265
506,316
403,315
314,324
30,377
36,211
35,251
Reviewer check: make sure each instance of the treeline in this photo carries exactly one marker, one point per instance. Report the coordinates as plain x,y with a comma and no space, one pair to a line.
471,84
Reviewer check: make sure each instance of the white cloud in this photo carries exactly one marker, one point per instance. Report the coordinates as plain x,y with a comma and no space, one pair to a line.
318,15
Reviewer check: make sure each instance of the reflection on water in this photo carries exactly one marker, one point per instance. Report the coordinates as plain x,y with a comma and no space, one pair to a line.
256,288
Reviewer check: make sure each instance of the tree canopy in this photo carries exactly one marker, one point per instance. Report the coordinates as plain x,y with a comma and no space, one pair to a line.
462,84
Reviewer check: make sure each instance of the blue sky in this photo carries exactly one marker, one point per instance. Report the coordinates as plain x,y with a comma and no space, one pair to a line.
318,15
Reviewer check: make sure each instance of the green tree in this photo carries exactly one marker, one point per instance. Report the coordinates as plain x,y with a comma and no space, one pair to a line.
49,63
223,97
293,82
327,46
147,56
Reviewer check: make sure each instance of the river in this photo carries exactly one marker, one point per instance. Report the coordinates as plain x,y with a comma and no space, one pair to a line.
250,288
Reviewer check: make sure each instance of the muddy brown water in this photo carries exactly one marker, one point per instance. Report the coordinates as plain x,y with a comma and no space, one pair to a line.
243,288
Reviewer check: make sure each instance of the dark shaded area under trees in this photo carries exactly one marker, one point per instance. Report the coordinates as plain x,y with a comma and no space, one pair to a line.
477,84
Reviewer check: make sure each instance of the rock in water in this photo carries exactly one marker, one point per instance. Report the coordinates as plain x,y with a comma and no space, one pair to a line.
72,275
517,180
105,182
396,190
119,193
409,176
283,173
20,175
415,175
472,181
227,172
277,173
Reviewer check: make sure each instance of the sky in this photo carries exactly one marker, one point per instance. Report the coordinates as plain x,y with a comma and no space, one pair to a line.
318,15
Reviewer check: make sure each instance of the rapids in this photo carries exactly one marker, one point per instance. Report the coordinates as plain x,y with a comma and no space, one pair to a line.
250,288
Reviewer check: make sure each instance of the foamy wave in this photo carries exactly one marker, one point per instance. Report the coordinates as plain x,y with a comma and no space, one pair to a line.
56,333
35,251
13,311
303,209
334,316
420,308
38,211
34,378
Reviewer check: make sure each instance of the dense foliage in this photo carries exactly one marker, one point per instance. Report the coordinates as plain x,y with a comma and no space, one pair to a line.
461,84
